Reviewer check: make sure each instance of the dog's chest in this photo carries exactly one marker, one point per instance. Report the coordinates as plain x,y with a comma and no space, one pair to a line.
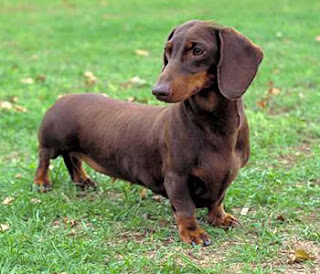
213,174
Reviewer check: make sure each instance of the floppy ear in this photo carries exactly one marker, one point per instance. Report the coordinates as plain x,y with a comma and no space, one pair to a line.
165,61
238,64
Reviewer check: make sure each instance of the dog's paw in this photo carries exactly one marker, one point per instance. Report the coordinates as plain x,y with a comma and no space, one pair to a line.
41,186
190,232
86,183
225,221
195,236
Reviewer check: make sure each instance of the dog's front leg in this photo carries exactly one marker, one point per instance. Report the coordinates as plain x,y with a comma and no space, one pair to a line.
184,210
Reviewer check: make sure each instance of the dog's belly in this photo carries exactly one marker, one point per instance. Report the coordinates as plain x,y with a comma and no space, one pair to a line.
92,163
149,178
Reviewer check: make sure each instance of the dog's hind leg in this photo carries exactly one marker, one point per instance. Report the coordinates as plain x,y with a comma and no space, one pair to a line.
41,179
77,173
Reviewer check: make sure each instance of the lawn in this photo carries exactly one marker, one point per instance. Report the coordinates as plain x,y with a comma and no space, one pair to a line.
45,49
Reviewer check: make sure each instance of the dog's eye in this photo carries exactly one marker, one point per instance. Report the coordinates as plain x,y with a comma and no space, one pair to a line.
197,51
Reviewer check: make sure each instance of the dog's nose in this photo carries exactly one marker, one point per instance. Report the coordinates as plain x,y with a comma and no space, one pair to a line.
161,90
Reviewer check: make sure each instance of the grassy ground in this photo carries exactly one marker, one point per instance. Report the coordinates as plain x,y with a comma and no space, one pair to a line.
115,229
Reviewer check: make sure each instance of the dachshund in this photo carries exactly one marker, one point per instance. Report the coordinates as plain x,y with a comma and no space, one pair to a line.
189,151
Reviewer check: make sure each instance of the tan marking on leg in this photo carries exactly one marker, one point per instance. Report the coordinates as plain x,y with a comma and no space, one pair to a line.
190,232
42,179
218,217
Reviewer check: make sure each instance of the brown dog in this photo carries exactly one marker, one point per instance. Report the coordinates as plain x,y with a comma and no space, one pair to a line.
190,151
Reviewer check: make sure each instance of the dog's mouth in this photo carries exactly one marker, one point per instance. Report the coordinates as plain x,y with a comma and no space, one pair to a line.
163,98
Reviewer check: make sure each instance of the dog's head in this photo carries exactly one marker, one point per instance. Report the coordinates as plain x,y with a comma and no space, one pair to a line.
199,55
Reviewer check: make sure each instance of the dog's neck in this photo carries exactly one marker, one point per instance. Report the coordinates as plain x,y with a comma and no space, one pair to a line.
210,109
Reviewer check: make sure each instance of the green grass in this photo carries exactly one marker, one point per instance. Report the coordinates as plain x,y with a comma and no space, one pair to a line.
113,230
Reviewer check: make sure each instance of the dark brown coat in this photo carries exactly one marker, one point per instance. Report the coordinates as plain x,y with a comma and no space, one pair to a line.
189,151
